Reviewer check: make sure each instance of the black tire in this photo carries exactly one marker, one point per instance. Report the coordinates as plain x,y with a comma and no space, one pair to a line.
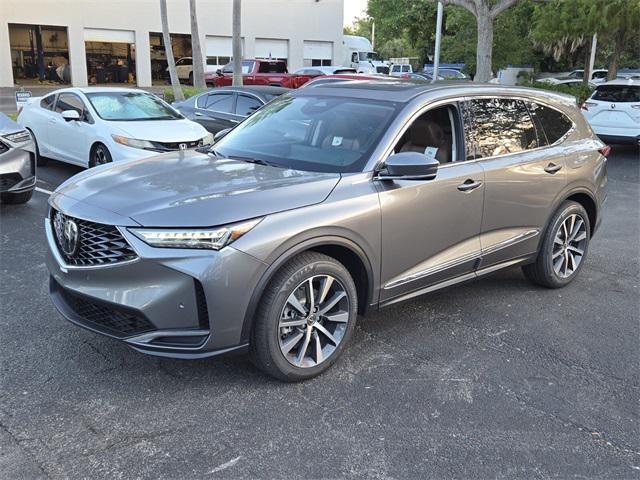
16,198
264,350
40,160
99,155
542,271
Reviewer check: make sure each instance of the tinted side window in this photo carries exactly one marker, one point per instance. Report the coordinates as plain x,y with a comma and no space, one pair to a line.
500,126
246,105
47,102
552,125
68,101
219,102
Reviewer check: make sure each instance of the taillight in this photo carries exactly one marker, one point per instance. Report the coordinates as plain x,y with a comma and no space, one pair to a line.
586,105
605,151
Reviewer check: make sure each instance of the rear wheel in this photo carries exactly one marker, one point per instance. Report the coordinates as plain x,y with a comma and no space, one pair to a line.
564,248
100,155
305,319
16,198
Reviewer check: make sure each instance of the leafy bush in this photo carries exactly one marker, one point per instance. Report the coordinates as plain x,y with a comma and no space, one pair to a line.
580,92
187,91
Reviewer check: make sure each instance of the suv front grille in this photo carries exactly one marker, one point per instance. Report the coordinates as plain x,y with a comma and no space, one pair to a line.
96,244
113,320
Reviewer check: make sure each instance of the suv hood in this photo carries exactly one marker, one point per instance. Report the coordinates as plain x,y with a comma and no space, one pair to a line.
192,189
168,131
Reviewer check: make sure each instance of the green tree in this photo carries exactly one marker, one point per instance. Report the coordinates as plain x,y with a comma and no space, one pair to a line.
360,27
485,13
619,25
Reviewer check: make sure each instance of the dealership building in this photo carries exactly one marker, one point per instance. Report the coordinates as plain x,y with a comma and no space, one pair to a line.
83,42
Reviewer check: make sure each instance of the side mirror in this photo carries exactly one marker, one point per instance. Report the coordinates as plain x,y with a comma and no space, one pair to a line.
70,115
409,166
218,136
219,72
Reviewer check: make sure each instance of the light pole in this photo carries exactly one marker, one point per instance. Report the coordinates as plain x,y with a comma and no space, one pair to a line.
436,56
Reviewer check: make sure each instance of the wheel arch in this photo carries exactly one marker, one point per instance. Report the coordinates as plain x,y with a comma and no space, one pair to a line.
342,249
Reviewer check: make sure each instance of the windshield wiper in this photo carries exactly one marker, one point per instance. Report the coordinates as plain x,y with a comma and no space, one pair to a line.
257,161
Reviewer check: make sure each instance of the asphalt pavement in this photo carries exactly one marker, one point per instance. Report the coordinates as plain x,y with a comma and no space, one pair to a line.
492,379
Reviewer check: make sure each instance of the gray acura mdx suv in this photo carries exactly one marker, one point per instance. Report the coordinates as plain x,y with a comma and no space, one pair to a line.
324,204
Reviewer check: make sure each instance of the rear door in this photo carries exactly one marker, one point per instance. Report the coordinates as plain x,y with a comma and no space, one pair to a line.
246,105
521,181
216,111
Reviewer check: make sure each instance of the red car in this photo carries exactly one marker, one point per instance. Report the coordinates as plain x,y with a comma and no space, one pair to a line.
254,72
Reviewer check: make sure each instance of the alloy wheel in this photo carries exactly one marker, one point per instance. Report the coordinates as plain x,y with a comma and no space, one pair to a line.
569,245
100,156
313,321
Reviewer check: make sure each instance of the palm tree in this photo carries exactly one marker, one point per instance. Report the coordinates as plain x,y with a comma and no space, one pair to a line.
237,43
166,39
197,75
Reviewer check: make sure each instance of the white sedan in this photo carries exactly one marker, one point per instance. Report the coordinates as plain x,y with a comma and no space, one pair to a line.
613,111
92,126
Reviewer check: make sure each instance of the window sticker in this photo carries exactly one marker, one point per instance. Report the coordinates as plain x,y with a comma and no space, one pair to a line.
431,152
337,141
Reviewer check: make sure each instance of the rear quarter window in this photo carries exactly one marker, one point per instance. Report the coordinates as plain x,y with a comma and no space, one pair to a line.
617,93
550,123
47,102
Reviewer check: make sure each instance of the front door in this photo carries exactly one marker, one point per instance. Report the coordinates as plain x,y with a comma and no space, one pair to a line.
69,139
522,181
430,228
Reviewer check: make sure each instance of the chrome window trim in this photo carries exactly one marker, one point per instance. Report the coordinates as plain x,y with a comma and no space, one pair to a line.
388,150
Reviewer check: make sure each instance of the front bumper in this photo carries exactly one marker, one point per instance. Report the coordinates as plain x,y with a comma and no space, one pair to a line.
17,170
168,302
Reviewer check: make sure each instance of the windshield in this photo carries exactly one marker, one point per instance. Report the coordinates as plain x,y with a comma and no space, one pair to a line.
131,106
312,133
364,56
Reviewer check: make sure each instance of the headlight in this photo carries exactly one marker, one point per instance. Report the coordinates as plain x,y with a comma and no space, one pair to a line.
132,142
207,238
207,139
18,137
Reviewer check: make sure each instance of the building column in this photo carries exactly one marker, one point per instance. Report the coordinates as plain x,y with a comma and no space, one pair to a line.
143,59
6,65
249,47
296,53
77,56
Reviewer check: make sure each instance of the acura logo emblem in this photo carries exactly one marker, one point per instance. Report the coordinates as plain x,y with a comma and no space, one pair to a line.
182,146
67,234
613,105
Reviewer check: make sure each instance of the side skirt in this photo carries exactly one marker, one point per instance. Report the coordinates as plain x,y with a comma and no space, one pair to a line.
461,279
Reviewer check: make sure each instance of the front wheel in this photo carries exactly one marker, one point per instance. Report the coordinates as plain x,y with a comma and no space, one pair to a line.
305,319
564,248
100,155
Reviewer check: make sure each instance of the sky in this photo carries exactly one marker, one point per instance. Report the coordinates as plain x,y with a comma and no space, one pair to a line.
353,9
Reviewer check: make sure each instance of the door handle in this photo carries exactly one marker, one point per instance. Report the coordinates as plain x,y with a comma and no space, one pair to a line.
552,168
198,114
469,185
234,121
